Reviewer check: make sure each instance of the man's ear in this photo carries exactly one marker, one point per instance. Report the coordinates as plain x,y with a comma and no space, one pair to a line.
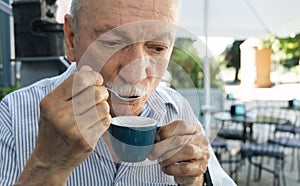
69,37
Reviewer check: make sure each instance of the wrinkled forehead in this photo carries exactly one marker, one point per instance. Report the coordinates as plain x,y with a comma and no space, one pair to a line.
138,20
126,11
142,31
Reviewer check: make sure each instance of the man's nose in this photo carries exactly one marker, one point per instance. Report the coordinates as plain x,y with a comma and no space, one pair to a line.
136,66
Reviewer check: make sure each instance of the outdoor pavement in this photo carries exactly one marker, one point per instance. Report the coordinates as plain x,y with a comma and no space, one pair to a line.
276,95
291,175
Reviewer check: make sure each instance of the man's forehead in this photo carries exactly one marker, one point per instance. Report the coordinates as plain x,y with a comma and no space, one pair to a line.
165,10
143,31
148,4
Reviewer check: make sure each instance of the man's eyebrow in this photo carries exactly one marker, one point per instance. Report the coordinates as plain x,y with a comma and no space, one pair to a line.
108,31
111,31
164,37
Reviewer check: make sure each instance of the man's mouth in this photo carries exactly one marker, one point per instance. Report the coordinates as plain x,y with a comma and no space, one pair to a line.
129,96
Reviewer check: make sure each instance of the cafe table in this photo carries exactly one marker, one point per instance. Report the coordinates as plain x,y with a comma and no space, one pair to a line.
291,108
247,121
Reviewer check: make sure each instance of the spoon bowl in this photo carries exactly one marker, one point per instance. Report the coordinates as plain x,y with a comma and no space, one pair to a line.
121,97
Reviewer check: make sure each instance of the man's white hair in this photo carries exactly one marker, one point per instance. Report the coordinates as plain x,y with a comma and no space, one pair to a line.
74,11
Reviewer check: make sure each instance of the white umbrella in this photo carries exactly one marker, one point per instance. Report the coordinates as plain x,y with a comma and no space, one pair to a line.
239,19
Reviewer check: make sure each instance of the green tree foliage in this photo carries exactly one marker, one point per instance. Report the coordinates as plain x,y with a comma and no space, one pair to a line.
286,50
187,72
6,90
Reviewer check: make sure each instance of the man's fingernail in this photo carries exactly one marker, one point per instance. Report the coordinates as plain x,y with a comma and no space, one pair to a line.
150,157
160,159
86,68
157,137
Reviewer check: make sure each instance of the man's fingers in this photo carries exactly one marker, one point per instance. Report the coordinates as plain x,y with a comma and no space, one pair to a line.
182,149
96,130
76,83
175,143
93,115
185,180
193,168
89,98
178,128
94,122
187,153
85,68
85,78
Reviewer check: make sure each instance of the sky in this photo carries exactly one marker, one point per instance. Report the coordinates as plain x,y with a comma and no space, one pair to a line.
217,45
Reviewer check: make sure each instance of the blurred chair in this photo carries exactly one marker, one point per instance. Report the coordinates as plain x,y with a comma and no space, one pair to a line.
229,132
288,136
259,148
220,148
253,150
232,130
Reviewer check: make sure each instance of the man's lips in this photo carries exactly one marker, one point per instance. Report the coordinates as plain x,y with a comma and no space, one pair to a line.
118,100
130,96
123,97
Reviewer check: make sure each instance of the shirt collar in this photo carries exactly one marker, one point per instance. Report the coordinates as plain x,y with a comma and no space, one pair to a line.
61,78
159,102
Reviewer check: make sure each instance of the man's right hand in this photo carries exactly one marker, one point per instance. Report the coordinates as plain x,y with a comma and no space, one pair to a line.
72,119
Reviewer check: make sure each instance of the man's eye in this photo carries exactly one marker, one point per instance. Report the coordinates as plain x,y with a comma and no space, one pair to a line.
159,49
112,44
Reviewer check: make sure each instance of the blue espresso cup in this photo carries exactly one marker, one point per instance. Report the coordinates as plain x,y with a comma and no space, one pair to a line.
132,137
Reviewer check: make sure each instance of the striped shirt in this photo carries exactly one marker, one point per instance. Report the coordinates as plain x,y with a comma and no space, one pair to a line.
19,115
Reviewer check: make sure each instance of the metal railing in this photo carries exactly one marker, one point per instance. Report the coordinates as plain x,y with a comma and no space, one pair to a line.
6,8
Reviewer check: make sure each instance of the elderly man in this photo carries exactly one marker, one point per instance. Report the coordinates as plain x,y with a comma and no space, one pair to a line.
54,132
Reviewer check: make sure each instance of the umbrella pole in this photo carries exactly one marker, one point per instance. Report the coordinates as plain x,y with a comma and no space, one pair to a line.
206,69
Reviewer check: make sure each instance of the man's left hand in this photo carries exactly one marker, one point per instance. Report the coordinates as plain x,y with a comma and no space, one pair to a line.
182,151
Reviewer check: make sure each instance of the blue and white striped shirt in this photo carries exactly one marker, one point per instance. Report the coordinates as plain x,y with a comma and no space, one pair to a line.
19,114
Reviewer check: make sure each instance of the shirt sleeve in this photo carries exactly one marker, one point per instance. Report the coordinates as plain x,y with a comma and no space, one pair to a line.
218,175
8,170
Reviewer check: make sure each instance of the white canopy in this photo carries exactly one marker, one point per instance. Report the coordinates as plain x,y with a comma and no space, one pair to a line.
241,19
